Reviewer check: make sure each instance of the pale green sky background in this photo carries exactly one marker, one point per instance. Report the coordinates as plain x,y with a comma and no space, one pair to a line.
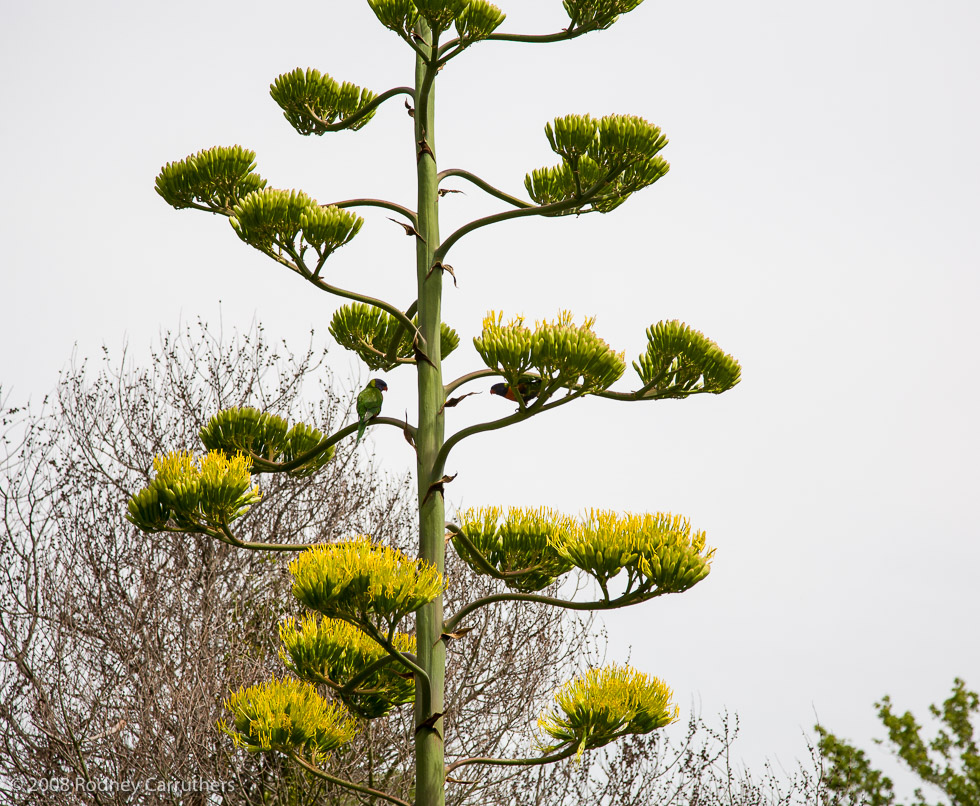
820,222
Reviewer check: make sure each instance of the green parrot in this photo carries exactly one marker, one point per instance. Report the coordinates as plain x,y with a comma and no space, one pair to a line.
369,404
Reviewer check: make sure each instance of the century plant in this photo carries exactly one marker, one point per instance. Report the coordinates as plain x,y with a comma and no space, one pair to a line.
348,651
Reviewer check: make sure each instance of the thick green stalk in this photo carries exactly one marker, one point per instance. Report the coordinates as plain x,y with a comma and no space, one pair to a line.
429,762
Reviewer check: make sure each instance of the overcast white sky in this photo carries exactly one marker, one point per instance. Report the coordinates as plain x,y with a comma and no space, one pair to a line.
820,222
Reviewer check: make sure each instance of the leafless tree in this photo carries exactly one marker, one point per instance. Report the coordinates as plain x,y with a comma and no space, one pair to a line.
117,648
696,769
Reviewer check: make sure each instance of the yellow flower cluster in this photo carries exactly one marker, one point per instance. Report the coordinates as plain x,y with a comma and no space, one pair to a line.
659,552
562,353
286,715
193,493
356,580
603,704
333,651
523,539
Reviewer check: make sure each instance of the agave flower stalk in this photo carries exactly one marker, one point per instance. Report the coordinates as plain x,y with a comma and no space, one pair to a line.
364,594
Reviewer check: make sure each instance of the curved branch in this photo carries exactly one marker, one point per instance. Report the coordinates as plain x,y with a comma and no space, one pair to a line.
626,397
397,337
483,185
299,267
227,212
393,358
455,46
608,604
446,55
564,34
346,784
540,39
485,565
225,536
350,687
361,113
518,416
514,762
466,229
387,205
333,685
414,46
471,376
643,394
265,466
376,303
303,271
538,209
406,659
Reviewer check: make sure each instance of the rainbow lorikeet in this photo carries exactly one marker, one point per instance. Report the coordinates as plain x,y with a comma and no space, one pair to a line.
528,389
369,404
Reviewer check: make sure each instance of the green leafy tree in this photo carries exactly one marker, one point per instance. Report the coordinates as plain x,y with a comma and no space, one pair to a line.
948,762
396,651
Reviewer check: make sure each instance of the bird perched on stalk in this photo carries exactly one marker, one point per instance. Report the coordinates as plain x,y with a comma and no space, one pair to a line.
369,404
527,388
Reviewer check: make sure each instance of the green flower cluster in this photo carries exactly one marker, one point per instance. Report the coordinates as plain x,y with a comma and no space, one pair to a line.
603,162
604,704
522,541
287,716
358,581
439,14
194,494
562,353
474,19
311,101
334,652
596,14
370,331
250,431
214,179
477,21
399,16
680,361
288,222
